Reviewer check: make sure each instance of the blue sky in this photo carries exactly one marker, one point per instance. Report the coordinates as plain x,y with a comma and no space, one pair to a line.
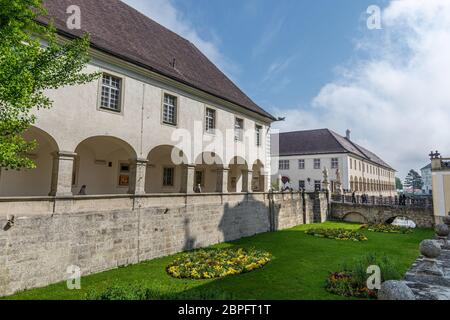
317,63
281,52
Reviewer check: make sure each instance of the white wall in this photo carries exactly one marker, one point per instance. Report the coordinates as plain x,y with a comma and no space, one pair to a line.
76,116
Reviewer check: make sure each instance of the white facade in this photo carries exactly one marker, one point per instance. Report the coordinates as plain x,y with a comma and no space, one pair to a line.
356,174
131,150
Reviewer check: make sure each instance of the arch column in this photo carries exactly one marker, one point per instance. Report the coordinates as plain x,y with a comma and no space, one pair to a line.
187,178
247,176
222,180
62,173
138,169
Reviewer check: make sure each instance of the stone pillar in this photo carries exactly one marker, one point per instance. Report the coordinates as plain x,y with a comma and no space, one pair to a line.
138,169
222,180
247,177
62,174
187,178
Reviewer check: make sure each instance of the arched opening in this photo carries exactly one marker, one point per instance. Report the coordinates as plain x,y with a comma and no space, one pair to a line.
259,179
31,182
361,188
352,187
165,170
207,172
354,217
238,167
103,166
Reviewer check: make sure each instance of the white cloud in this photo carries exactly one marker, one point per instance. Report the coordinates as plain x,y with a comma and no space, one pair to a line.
166,14
397,103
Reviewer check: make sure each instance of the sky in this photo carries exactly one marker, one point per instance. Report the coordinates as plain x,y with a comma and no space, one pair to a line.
318,64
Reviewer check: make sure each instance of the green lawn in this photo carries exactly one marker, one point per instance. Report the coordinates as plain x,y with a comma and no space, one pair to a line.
299,268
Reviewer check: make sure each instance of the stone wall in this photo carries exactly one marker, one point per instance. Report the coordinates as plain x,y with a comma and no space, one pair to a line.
423,217
37,249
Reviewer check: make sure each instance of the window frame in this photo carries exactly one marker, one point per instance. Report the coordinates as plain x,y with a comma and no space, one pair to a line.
300,182
334,163
258,135
317,182
177,108
284,168
241,136
320,164
202,172
173,177
303,167
120,100
213,131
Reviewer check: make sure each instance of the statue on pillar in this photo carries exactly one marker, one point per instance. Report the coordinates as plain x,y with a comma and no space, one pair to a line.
326,183
338,182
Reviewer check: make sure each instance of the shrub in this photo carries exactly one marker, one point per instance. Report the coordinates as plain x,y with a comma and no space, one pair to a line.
337,234
387,228
208,264
138,292
351,280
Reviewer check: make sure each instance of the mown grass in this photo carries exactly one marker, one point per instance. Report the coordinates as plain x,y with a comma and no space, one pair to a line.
298,270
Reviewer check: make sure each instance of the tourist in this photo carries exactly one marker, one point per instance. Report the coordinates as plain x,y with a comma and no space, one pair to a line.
354,197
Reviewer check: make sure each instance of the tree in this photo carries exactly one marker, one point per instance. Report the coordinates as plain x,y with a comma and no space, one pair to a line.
32,60
413,180
398,184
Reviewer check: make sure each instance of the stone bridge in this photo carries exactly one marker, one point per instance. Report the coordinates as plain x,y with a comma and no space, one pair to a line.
369,213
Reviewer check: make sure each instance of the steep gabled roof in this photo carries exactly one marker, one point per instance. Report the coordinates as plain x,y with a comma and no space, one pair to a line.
323,141
428,166
122,31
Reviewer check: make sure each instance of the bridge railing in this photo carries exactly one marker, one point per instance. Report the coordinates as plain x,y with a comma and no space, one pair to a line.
423,202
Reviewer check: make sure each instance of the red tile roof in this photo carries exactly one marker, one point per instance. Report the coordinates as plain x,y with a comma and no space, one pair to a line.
122,31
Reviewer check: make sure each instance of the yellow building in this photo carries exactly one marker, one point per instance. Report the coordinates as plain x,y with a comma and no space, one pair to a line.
441,185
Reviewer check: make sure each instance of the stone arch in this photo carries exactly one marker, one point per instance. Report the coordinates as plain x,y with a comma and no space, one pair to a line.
32,182
103,165
166,170
355,217
208,174
237,175
259,177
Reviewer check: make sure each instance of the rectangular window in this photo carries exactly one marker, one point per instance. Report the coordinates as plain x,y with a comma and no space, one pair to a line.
258,130
284,165
301,164
168,175
334,163
301,185
210,120
238,129
317,185
316,163
351,164
110,98
199,178
170,110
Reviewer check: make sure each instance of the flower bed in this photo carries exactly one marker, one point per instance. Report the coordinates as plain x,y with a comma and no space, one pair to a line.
337,234
352,280
343,284
386,228
208,264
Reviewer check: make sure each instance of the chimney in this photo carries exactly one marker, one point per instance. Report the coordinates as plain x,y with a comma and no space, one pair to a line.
347,134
